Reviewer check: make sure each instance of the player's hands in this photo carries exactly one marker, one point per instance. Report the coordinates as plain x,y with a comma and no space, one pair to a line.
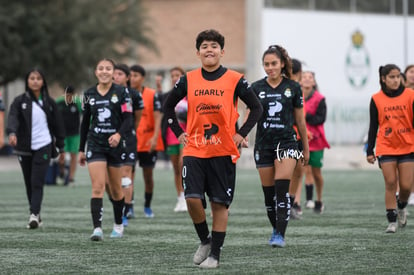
371,159
183,138
81,158
240,141
13,140
114,140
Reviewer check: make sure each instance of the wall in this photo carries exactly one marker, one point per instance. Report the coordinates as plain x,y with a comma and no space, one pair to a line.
323,40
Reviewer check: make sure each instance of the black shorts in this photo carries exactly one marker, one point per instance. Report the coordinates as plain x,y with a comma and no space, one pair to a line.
399,158
129,148
214,176
285,149
112,157
147,159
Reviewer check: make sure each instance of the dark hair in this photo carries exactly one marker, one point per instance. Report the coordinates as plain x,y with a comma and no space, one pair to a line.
43,89
296,66
209,35
384,71
407,68
122,67
283,56
138,69
69,89
177,68
106,59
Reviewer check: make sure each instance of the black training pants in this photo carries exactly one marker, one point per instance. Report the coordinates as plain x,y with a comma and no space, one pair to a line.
34,169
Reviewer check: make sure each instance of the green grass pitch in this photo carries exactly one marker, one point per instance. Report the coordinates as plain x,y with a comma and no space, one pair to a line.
348,238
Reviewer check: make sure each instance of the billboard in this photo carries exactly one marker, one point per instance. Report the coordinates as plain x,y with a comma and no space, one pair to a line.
345,51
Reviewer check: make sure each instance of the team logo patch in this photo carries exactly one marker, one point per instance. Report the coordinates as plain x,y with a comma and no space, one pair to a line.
288,92
114,98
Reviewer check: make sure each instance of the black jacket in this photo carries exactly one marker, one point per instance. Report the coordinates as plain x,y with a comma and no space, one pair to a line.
20,122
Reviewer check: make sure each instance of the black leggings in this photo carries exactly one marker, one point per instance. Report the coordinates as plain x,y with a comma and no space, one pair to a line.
34,169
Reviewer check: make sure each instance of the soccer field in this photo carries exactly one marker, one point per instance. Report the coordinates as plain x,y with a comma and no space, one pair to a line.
348,238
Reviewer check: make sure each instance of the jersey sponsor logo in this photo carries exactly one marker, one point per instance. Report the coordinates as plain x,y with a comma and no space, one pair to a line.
262,94
282,153
395,108
204,92
208,137
388,131
103,114
104,131
274,107
208,109
273,125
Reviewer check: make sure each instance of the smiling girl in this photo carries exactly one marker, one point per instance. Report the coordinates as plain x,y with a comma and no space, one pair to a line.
391,132
107,117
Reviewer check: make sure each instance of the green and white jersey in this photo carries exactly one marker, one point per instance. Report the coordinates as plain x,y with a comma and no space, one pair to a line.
276,123
105,115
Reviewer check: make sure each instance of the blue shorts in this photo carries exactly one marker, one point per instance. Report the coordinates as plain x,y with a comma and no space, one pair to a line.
398,158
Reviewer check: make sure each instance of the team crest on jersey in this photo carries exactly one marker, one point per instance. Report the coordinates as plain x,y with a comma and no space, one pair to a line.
114,98
288,92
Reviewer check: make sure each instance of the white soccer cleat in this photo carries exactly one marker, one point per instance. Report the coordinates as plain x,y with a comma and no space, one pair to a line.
181,205
310,204
210,262
34,221
402,217
97,234
392,228
202,253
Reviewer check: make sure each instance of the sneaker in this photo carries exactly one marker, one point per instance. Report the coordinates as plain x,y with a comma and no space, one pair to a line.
34,221
148,212
298,209
411,199
202,253
181,205
278,241
402,217
310,204
319,207
125,221
130,214
392,227
97,234
294,214
210,262
272,237
117,231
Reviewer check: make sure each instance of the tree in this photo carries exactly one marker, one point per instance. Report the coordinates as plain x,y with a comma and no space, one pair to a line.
65,38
